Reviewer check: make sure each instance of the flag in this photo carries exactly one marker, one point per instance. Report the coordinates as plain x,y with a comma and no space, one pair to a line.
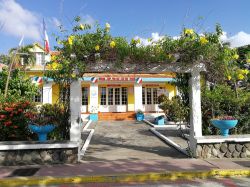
94,79
37,80
46,38
139,80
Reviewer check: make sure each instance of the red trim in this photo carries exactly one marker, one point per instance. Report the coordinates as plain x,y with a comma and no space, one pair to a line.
117,79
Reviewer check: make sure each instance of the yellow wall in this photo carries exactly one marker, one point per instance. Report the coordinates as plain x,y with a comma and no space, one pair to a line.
131,98
34,73
171,89
55,93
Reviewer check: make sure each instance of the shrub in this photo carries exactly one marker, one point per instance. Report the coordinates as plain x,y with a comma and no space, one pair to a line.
14,117
174,108
221,101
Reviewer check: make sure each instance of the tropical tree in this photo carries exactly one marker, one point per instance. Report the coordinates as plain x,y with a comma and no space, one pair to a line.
17,56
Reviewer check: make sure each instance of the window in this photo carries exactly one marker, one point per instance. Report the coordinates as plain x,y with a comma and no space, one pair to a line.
110,96
117,96
39,58
155,96
149,96
143,96
103,96
84,96
124,96
39,97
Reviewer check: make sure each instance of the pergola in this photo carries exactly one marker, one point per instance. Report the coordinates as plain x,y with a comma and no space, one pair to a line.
194,93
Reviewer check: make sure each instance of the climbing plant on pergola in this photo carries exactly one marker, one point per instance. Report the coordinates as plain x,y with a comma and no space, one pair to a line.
94,49
84,46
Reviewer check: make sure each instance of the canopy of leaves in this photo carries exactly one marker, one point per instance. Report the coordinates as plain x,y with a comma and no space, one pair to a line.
86,45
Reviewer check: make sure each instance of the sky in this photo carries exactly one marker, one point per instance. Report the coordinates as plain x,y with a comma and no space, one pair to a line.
128,18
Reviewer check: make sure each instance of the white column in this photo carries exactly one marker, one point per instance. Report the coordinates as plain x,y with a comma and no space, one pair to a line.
138,96
195,105
47,93
93,101
75,110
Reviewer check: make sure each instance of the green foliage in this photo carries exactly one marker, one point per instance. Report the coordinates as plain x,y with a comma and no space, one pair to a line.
174,108
14,116
85,45
220,101
4,59
19,85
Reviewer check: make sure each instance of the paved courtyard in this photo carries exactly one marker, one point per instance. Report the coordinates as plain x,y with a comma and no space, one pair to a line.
126,140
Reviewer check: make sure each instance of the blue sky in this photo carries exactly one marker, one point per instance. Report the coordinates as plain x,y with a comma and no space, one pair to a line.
128,18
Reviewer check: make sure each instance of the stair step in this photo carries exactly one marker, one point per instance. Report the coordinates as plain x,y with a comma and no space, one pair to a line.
117,116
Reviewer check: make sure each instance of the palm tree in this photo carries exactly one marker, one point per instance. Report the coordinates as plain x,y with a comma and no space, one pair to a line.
21,56
24,56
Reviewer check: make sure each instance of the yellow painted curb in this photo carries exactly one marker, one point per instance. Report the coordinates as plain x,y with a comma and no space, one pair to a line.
141,177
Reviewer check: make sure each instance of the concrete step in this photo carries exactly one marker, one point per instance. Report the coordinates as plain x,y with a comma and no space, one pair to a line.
116,116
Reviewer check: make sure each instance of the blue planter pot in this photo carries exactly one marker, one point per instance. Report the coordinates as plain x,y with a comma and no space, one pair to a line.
93,117
159,120
224,125
41,131
139,117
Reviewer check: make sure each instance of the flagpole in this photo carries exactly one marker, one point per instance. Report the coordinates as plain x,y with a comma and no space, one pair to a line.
45,50
10,68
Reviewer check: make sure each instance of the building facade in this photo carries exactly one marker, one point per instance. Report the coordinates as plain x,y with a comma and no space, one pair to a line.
109,92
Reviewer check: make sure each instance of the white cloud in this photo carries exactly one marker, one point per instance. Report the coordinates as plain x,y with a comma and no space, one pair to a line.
55,22
239,39
155,37
19,21
87,19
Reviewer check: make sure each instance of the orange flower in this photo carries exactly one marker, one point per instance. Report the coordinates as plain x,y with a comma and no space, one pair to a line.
15,127
8,109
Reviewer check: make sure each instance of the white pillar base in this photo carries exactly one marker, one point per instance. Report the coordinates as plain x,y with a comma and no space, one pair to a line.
93,101
47,93
195,105
138,96
75,109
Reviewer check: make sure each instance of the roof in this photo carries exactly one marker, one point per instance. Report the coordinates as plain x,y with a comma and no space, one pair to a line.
134,75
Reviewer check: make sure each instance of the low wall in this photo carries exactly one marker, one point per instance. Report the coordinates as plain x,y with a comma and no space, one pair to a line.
223,150
29,153
221,147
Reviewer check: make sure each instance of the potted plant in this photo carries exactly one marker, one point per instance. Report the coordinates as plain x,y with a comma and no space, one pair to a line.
44,121
139,115
224,123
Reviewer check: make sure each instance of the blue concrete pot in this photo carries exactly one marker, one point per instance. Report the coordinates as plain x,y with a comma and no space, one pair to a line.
159,120
41,131
139,116
224,125
93,117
